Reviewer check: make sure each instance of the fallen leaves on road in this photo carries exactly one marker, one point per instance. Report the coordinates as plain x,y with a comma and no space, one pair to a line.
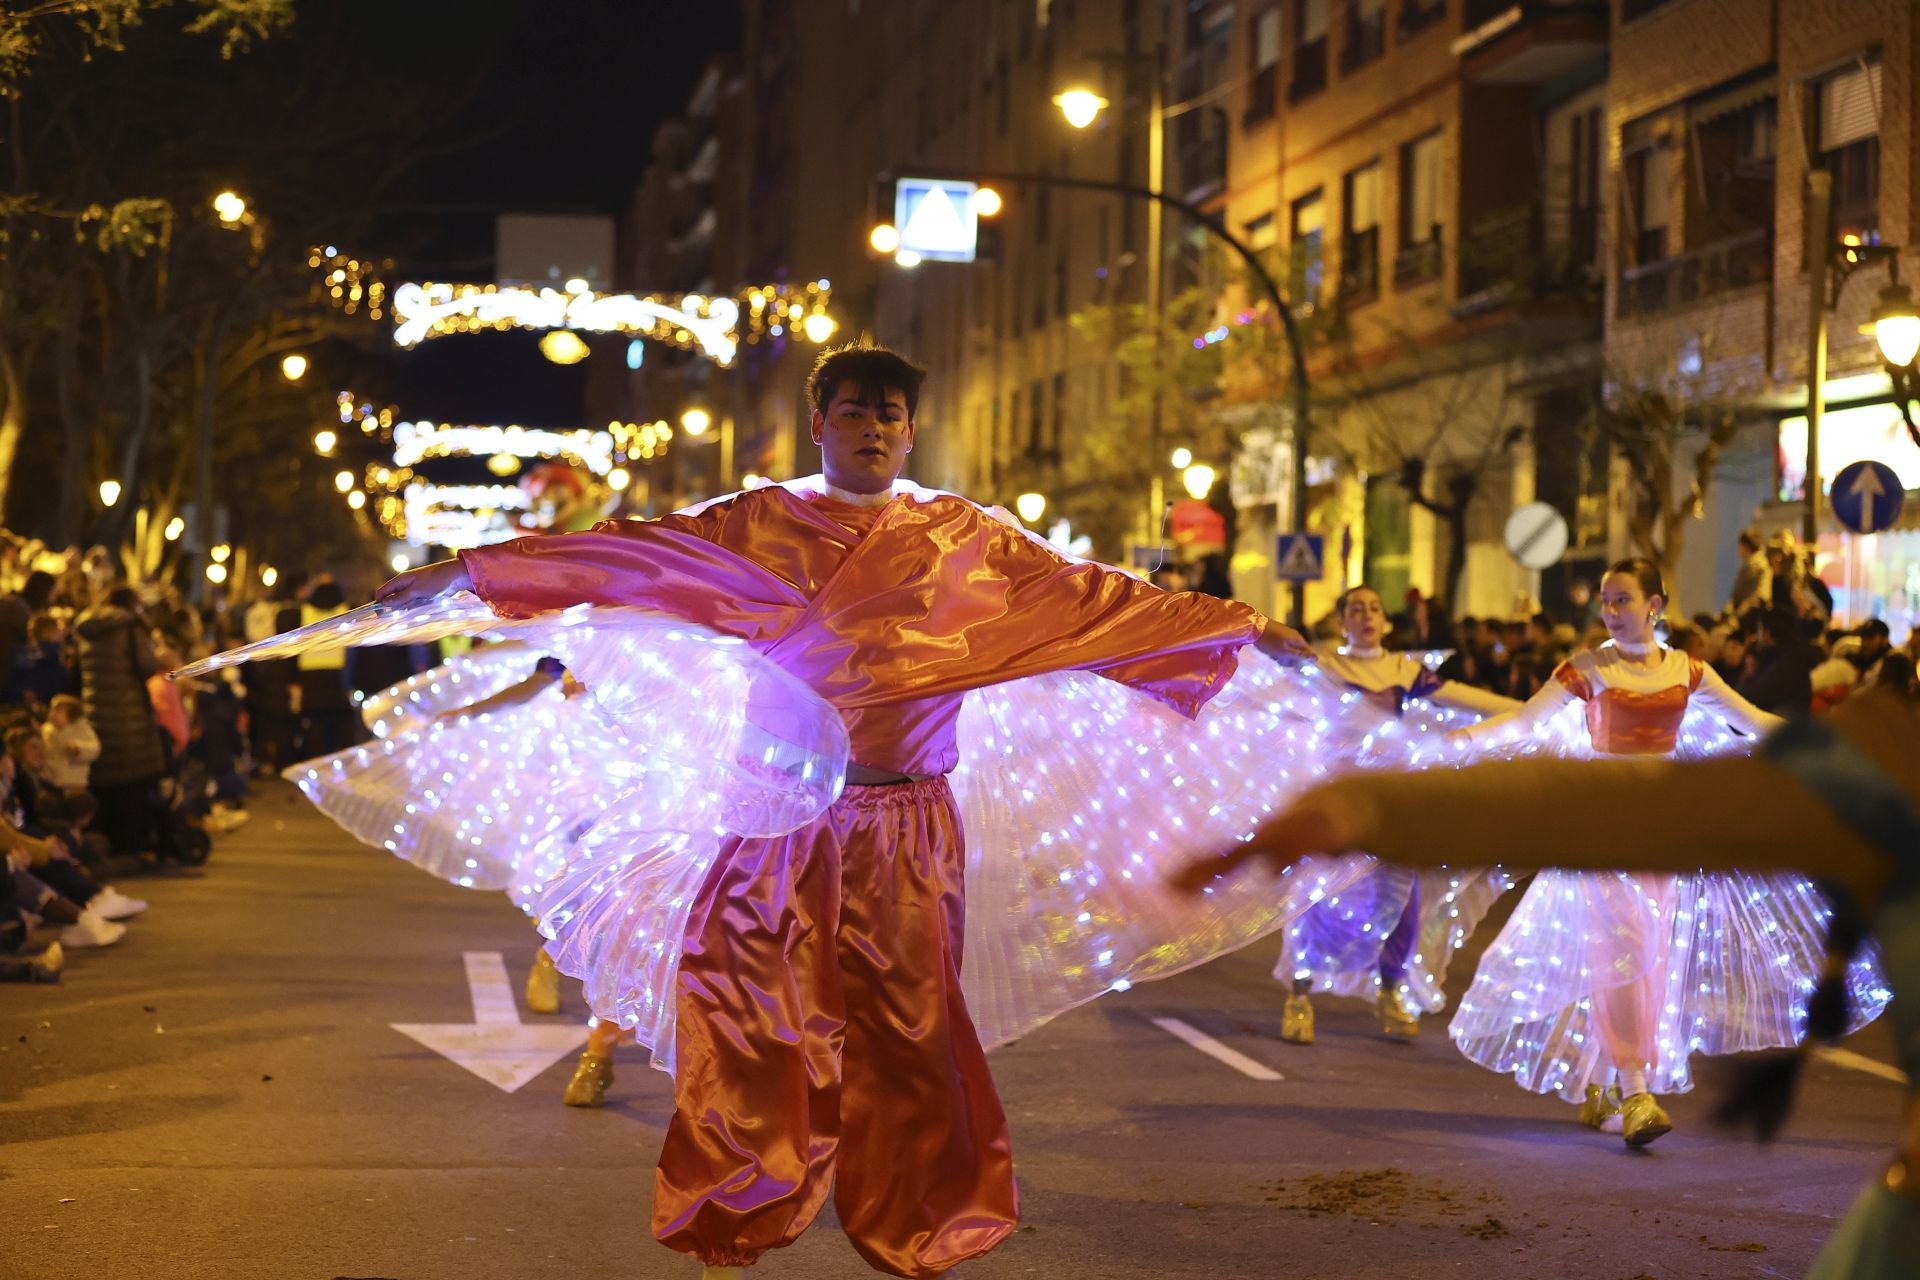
1391,1193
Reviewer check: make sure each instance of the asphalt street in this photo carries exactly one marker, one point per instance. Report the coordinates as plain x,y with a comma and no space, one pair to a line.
225,1095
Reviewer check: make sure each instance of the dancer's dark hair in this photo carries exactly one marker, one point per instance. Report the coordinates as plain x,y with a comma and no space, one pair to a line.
1643,571
874,370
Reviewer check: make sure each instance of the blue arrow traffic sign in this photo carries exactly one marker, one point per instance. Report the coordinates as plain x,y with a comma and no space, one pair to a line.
1867,496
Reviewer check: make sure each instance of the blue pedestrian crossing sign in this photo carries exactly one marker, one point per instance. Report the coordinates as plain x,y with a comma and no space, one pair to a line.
1300,557
1867,496
936,218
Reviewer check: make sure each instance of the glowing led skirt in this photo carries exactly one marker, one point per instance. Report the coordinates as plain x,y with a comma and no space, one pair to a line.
1595,967
603,814
1337,947
1080,798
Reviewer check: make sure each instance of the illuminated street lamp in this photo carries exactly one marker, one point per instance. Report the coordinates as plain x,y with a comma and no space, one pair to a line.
175,527
268,575
696,421
1895,326
1182,458
987,202
906,258
109,492
1030,507
400,564
356,499
343,481
885,238
216,574
294,367
324,441
818,327
230,207
1198,480
220,552
619,478
1081,107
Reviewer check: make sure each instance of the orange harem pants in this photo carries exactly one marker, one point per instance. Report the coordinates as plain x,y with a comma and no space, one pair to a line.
823,1039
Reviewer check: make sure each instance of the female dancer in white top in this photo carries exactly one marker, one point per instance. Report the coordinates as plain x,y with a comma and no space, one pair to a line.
1387,937
1627,974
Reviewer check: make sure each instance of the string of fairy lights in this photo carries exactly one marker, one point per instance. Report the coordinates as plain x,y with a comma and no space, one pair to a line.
409,506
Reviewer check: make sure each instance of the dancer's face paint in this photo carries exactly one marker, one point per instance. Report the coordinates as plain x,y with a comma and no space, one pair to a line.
864,437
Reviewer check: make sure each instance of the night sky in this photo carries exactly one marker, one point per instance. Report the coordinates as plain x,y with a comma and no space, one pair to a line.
571,93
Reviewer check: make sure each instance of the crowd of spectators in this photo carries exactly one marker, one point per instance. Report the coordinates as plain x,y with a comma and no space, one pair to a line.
111,770
1773,640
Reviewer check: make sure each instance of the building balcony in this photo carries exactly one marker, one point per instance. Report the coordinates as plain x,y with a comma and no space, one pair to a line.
1506,258
1530,42
1682,281
1416,264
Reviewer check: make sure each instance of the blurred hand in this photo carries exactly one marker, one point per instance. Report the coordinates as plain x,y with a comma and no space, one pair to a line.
1320,822
428,582
1284,645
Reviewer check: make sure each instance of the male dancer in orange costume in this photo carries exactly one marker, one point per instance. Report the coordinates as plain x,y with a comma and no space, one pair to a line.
823,1038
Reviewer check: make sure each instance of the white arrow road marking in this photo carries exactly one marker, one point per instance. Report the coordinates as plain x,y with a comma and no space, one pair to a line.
1860,1062
496,1045
1218,1052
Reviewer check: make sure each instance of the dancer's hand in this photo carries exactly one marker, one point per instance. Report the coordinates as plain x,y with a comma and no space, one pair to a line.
1284,645
1321,821
428,582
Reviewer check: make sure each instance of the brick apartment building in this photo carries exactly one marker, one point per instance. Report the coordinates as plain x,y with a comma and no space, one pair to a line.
1489,218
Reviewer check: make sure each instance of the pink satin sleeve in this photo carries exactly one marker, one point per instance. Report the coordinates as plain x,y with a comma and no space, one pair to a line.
1010,607
673,564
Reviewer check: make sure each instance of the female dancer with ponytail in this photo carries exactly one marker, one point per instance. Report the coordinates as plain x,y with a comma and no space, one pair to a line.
1839,797
1603,985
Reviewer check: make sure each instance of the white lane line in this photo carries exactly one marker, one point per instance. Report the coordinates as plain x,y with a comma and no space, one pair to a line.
1861,1062
1214,1049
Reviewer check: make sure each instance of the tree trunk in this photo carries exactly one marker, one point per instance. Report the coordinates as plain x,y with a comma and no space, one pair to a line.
13,418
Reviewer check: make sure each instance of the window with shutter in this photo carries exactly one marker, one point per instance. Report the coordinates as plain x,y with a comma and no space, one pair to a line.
1846,119
1360,234
1263,83
1309,49
1304,248
1418,259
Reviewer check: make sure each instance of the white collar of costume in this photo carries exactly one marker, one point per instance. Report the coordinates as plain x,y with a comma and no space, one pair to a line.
1364,655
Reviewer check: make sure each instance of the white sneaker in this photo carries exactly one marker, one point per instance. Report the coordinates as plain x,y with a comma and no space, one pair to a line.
225,819
111,904
91,931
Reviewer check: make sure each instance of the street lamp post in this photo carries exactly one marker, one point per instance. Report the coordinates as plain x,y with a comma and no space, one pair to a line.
1895,326
1257,269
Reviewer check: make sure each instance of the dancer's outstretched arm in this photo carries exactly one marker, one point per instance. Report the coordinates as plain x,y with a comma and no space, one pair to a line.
1632,815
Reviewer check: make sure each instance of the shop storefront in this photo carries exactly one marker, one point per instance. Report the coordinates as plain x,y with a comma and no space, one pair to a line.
1875,575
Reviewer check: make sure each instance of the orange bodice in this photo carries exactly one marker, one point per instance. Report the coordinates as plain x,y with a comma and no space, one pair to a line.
1629,722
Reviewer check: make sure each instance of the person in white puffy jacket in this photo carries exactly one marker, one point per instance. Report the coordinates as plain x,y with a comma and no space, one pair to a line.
72,745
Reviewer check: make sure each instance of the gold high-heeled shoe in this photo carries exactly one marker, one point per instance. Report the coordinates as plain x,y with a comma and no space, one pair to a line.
591,1078
543,985
1642,1120
1398,1021
1296,1020
1601,1110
